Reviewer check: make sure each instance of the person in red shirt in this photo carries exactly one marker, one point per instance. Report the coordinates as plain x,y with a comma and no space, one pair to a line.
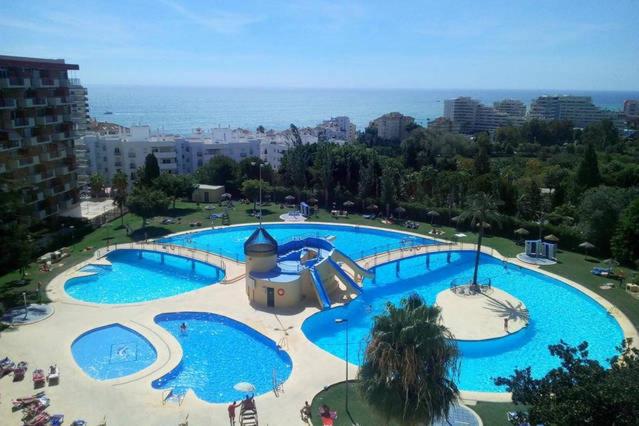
231,409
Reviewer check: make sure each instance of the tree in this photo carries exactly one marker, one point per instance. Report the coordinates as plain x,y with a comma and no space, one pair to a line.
220,170
580,391
151,170
482,159
260,129
481,209
295,134
20,248
251,190
625,242
175,186
96,182
409,364
588,169
120,191
147,202
324,164
388,185
599,212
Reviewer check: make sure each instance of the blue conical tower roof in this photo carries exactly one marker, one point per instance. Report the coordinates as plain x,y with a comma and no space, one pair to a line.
260,243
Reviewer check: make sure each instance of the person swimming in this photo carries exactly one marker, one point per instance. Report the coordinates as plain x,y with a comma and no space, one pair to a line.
183,328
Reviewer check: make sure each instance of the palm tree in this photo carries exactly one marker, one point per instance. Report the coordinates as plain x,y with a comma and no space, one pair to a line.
409,364
120,186
481,210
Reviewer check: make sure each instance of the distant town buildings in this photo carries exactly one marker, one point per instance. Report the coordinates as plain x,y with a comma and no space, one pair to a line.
631,109
579,110
336,129
442,124
392,126
470,116
37,132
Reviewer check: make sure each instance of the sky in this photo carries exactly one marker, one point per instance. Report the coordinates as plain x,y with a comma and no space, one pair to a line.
487,44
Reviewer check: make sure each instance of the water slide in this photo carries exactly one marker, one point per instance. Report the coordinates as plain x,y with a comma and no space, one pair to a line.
341,257
319,289
344,276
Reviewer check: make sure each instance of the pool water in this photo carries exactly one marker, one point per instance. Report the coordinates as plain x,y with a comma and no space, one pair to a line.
112,351
557,311
131,278
218,353
356,242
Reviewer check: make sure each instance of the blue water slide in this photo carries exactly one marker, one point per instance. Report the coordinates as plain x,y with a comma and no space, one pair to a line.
319,288
347,278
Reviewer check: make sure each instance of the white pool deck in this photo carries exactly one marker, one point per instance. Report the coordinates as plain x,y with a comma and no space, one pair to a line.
132,400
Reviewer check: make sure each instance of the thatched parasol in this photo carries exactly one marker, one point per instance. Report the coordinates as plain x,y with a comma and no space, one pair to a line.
521,231
552,238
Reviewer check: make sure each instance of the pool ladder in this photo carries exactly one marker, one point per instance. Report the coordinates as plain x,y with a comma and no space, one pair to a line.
248,418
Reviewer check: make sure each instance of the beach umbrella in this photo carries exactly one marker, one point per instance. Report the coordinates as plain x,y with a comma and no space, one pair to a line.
400,211
289,199
455,219
486,225
552,238
348,204
433,214
521,231
226,196
611,263
586,246
372,207
313,200
244,387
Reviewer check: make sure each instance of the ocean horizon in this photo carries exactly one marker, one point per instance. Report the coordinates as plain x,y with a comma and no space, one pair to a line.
180,109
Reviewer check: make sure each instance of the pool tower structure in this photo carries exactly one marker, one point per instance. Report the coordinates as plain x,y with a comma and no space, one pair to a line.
305,268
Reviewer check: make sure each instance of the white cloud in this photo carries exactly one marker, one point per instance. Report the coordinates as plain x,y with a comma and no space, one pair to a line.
218,21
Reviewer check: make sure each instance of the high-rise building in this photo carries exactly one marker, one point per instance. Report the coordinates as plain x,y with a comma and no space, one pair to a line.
631,109
579,110
392,126
37,133
470,116
337,128
512,107
79,97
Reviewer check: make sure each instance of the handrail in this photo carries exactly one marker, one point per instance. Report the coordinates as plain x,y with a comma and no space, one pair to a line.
402,252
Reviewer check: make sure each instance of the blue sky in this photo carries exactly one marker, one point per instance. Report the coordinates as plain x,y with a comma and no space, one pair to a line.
581,44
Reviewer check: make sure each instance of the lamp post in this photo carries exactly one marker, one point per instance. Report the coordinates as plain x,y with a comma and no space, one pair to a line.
345,321
24,298
260,165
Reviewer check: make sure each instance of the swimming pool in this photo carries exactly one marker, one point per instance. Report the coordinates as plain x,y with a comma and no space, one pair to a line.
218,353
112,351
355,241
557,311
139,276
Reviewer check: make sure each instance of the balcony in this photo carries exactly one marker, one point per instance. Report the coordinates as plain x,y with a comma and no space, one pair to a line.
56,155
41,177
14,83
34,102
8,145
59,101
46,82
22,122
49,119
61,171
7,103
41,139
28,162
166,154
3,168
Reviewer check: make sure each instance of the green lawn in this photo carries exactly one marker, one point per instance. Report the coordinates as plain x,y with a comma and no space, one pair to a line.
492,414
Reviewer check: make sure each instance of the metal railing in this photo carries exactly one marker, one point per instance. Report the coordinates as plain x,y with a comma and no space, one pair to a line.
388,253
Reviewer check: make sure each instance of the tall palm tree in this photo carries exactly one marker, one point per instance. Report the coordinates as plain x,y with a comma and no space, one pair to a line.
409,364
481,210
120,186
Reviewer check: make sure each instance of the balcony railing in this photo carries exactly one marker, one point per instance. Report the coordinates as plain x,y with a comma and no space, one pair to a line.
49,119
7,103
47,82
34,102
7,145
21,122
13,82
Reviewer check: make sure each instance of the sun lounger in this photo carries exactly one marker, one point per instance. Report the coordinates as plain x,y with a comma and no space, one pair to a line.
54,375
24,401
33,410
19,371
7,367
79,423
39,420
56,420
38,377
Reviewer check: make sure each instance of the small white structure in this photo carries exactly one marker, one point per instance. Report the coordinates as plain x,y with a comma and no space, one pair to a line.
538,252
207,193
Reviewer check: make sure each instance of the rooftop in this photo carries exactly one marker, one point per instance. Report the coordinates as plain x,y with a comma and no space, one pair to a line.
22,61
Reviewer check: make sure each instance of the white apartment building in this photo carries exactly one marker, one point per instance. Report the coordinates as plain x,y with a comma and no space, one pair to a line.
392,126
512,107
577,109
631,109
336,129
470,116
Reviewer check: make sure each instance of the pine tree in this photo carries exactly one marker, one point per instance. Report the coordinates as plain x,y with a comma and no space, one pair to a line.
588,171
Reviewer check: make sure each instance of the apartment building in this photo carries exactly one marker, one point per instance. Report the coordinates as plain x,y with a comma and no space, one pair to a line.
79,97
631,109
37,133
577,109
470,116
336,129
392,126
512,107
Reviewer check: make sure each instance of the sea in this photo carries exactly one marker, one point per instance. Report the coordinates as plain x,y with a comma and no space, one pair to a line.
181,109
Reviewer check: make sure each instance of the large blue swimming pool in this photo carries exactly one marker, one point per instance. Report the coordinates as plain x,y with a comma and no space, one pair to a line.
356,242
140,275
112,351
219,353
557,311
